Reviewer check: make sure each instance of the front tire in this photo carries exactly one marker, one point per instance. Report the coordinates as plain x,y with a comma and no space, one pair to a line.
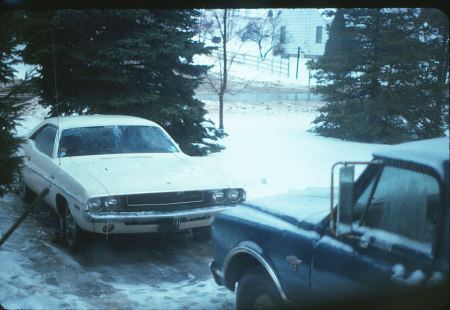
257,291
25,192
72,232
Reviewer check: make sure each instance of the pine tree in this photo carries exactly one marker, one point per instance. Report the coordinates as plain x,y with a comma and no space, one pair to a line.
375,78
134,62
9,106
431,103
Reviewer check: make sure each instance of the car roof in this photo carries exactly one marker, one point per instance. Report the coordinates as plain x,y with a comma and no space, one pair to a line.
432,152
65,122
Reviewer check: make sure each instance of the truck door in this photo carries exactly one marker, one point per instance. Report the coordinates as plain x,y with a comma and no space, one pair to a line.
392,246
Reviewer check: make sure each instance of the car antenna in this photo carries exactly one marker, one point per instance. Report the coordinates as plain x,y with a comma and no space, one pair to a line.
56,97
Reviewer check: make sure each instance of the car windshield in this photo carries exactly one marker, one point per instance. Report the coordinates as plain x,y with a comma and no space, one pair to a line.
114,140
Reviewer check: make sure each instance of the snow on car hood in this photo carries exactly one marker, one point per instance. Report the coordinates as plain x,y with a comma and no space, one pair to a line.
142,173
310,205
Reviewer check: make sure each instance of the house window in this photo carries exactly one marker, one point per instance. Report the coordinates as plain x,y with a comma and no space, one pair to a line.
283,35
319,34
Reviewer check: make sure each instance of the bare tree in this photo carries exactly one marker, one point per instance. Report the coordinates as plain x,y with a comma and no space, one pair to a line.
264,31
227,31
205,26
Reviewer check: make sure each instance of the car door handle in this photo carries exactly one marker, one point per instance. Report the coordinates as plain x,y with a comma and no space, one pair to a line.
52,177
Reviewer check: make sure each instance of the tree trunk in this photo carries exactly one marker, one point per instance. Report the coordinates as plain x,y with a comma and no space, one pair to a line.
225,72
221,111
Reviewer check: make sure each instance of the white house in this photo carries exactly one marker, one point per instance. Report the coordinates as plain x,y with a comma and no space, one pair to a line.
302,37
304,31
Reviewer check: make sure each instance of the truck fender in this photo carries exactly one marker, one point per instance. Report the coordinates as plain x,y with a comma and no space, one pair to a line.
244,255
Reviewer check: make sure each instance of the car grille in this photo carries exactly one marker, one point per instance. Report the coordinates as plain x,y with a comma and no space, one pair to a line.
172,201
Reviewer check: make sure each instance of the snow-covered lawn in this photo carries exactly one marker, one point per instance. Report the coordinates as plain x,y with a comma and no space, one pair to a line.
269,149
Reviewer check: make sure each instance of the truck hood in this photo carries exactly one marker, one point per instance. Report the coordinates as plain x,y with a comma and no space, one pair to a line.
133,174
311,205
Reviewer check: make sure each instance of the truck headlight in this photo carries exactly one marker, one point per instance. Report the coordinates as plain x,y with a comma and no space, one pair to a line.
95,204
234,194
218,196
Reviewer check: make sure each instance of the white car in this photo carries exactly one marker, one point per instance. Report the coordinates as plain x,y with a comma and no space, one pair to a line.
120,174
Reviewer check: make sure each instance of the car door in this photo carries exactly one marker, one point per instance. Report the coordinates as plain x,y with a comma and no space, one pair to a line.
391,249
40,161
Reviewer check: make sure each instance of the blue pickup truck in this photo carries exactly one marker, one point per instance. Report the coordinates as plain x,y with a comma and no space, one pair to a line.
381,241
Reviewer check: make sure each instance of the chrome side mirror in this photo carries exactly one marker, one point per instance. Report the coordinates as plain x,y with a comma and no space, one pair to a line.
345,207
343,224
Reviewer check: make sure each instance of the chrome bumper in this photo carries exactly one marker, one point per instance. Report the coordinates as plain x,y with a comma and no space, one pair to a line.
149,216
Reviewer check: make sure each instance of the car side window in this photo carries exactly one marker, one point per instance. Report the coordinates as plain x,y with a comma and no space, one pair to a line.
405,203
45,140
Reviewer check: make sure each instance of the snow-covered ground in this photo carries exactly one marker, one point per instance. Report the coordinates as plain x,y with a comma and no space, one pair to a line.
271,150
133,272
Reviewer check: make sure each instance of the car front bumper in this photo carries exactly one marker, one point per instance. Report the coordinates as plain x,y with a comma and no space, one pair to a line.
152,221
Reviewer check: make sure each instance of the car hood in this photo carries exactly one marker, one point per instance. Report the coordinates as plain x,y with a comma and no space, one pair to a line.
311,205
133,174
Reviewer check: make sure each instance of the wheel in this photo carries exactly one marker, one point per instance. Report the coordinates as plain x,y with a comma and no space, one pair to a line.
257,291
25,192
202,234
72,232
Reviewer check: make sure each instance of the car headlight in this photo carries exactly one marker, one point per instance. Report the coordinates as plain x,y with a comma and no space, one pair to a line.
95,204
234,194
218,196
111,201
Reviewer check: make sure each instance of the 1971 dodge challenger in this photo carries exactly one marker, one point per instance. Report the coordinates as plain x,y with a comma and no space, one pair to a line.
120,174
384,246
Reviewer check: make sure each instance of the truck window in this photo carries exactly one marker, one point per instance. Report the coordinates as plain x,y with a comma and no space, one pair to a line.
405,203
